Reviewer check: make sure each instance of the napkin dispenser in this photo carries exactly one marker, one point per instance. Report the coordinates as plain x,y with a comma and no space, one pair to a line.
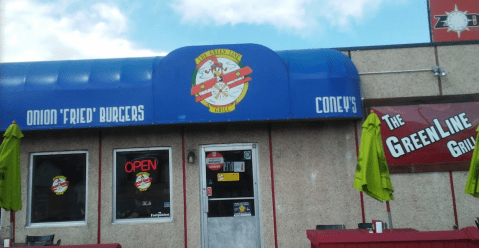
377,226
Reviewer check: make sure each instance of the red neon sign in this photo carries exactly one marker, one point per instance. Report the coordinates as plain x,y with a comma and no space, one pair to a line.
144,165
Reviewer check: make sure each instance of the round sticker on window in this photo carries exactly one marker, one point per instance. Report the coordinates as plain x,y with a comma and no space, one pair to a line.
60,185
247,154
214,161
143,181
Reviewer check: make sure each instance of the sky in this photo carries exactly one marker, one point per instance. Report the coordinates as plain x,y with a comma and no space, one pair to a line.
44,30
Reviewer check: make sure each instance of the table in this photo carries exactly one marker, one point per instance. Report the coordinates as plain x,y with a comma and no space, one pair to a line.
115,245
358,231
345,238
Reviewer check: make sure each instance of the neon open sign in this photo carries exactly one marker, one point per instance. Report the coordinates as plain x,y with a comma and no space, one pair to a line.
143,164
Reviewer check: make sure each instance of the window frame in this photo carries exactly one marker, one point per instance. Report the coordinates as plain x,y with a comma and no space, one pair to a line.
30,193
170,172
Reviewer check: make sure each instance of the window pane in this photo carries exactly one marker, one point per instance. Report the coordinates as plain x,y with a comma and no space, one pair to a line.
243,187
142,184
59,191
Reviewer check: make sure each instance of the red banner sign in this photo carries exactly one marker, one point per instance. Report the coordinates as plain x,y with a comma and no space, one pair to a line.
428,134
454,20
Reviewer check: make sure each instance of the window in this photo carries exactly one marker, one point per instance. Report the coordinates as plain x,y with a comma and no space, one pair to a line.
57,188
142,185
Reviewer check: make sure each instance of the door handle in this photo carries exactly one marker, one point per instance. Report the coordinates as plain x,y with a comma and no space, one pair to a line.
207,205
206,200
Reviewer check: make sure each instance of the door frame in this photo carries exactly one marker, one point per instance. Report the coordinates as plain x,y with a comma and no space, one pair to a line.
203,196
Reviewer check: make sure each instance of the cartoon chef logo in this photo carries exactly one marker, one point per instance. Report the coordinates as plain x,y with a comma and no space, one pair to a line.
143,181
60,185
220,80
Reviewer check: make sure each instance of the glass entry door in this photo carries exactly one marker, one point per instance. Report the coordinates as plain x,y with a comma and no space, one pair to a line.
229,198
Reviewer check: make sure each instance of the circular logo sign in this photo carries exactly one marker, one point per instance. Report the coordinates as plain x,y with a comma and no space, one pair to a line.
220,80
214,161
457,21
60,185
143,181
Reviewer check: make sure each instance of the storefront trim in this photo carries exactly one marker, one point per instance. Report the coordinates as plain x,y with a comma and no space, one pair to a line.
59,224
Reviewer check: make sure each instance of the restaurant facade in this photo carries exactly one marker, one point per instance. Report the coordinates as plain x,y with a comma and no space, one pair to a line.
239,145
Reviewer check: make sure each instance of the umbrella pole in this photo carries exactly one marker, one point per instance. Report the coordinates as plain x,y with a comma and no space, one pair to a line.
12,226
389,215
362,206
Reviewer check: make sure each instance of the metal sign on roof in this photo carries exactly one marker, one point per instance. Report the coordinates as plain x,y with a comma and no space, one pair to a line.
220,83
453,20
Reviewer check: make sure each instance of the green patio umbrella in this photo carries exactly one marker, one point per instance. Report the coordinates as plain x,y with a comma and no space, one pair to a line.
472,178
372,173
10,196
10,188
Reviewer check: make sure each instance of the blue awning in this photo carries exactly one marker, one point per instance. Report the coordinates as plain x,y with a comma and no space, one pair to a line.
220,83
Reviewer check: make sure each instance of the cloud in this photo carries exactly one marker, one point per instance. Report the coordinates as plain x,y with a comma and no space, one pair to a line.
36,31
297,15
280,13
345,12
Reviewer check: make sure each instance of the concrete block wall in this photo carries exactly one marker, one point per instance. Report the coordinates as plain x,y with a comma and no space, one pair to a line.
467,209
457,60
460,62
423,200
314,166
391,85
